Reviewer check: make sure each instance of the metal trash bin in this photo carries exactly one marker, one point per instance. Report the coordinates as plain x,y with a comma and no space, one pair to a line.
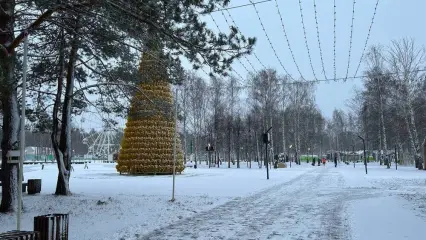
52,226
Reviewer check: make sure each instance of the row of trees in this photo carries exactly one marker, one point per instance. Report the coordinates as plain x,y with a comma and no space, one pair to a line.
391,104
232,117
387,111
81,50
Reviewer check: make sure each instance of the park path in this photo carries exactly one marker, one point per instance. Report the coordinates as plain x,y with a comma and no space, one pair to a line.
310,206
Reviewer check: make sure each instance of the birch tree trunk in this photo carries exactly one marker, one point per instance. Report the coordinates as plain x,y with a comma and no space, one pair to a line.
410,136
283,136
382,119
414,129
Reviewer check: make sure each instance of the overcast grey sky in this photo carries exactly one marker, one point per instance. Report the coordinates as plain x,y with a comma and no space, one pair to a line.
395,19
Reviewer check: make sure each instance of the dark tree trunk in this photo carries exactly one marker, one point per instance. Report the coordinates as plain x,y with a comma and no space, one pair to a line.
62,186
10,129
238,145
8,98
55,115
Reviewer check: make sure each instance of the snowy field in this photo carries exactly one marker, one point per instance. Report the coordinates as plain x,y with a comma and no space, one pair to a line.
303,202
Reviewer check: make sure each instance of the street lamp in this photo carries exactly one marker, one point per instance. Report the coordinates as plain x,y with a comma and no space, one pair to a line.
309,149
175,148
289,153
365,156
266,140
22,136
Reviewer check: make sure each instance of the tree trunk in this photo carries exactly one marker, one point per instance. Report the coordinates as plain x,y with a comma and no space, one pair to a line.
424,154
10,138
413,125
238,146
410,135
9,106
272,139
379,134
55,115
64,155
195,149
283,129
229,144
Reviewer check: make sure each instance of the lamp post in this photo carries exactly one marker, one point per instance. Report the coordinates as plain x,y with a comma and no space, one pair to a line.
309,149
353,152
174,149
289,147
365,156
22,135
266,140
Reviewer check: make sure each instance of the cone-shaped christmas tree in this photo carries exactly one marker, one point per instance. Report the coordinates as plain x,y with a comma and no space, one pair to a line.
147,144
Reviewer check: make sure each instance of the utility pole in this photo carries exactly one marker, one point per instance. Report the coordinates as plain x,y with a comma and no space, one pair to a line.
283,119
230,127
209,149
353,152
22,134
184,123
174,148
365,155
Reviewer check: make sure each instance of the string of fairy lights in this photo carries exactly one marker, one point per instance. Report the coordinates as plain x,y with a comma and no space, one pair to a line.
274,49
351,37
306,39
286,38
308,50
319,39
368,37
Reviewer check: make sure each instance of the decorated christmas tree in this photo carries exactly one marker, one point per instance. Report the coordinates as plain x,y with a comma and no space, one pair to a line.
147,144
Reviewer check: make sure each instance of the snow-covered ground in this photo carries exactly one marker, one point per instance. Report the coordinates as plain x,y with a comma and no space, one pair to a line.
303,202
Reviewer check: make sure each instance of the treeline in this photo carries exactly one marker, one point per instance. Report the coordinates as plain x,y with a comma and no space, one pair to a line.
388,111
391,105
232,117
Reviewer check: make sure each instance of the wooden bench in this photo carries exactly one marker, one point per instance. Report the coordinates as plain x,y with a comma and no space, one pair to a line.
20,235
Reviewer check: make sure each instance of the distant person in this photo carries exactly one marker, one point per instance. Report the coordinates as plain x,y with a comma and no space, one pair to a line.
335,160
323,161
313,161
85,166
